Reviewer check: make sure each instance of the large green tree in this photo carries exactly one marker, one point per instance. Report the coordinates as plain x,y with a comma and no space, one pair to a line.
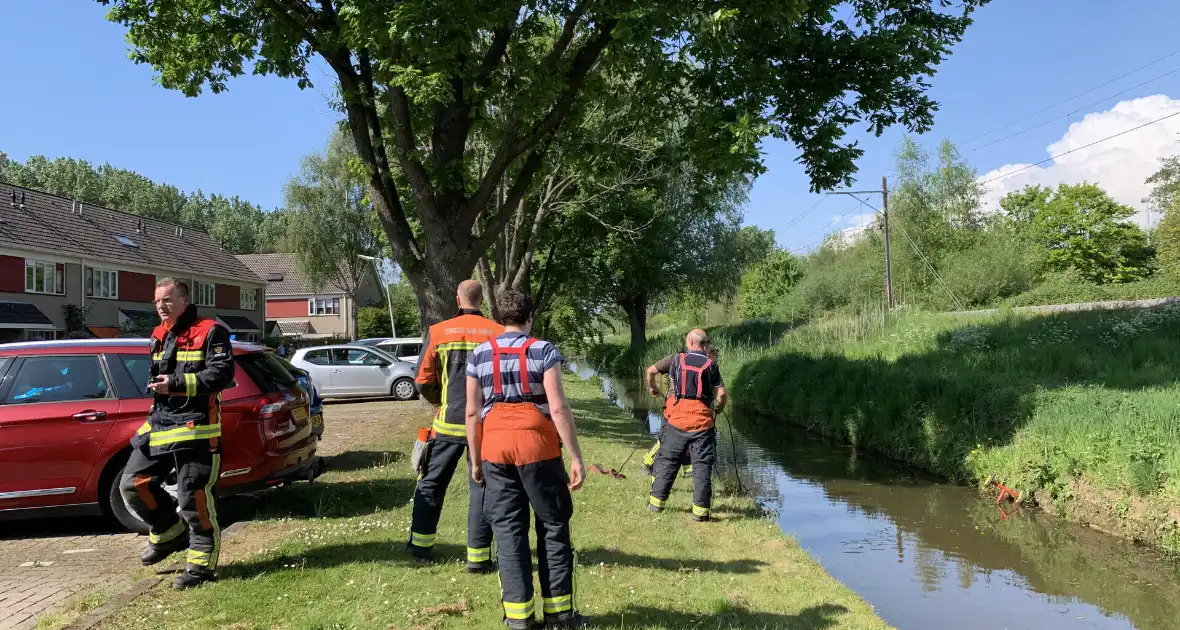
328,226
422,81
1080,227
766,284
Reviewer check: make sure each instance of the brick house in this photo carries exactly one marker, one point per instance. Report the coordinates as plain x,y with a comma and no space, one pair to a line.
60,257
294,309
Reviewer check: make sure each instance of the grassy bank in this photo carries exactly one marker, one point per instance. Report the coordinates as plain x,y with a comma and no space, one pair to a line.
1079,410
331,555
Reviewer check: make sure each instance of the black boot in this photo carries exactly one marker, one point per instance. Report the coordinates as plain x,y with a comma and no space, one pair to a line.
192,576
487,566
701,519
568,620
157,553
524,624
420,554
652,508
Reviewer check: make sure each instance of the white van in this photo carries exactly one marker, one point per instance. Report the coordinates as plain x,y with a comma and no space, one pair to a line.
405,348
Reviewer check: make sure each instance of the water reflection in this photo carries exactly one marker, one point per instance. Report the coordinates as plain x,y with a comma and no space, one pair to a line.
929,555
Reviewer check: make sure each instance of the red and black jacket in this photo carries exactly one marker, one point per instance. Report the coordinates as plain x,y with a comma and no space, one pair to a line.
197,356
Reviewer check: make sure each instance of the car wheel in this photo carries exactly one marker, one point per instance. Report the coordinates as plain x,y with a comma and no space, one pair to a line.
403,389
122,513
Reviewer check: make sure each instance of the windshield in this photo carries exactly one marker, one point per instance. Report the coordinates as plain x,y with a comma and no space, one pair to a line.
384,354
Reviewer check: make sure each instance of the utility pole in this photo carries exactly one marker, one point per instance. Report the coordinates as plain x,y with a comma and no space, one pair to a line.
888,261
884,192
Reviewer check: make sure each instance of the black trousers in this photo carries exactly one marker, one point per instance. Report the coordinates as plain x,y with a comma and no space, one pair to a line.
510,491
442,457
196,475
702,450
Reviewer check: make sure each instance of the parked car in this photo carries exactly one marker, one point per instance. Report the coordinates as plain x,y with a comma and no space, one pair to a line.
317,404
350,371
405,348
69,408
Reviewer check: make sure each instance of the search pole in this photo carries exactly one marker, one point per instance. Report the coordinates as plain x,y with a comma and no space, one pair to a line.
884,192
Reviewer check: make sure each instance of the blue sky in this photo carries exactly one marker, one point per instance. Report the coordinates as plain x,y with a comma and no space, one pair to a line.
69,90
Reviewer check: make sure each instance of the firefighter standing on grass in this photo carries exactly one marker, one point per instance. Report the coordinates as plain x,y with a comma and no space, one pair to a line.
442,383
649,458
517,420
191,363
695,383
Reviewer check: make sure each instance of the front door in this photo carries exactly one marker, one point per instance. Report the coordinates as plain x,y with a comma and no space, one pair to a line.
55,415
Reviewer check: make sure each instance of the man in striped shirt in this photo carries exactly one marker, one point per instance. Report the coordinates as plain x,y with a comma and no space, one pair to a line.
517,421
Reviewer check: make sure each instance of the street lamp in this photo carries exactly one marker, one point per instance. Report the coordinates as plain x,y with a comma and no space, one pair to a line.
388,295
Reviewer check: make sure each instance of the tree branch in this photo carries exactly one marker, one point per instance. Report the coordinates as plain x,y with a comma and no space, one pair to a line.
512,147
405,146
567,35
495,224
361,118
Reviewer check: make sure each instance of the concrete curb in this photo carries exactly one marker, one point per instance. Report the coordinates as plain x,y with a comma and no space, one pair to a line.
117,602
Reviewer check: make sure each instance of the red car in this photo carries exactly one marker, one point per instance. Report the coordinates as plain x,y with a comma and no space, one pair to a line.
68,410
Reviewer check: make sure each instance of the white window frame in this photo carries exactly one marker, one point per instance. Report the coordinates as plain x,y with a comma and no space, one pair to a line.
48,271
249,299
205,293
323,307
93,288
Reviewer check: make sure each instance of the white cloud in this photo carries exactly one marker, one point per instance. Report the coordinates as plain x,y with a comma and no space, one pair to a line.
1120,165
853,227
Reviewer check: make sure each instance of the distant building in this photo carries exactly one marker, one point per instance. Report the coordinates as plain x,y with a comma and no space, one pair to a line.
294,309
60,257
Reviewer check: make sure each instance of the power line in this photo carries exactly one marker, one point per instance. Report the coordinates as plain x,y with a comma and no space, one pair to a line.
1087,106
930,267
835,221
805,213
1101,85
1085,146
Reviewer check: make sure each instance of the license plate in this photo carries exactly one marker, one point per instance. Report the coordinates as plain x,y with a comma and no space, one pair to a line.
317,420
299,413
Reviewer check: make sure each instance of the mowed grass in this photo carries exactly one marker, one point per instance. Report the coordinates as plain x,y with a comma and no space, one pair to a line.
1081,410
331,555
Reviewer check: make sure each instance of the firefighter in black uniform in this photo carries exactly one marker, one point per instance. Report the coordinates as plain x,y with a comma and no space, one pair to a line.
192,362
695,382
442,382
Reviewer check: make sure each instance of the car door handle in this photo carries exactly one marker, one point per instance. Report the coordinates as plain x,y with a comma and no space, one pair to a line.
335,371
90,416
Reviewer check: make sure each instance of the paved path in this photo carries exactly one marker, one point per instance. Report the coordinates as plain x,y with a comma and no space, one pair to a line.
44,562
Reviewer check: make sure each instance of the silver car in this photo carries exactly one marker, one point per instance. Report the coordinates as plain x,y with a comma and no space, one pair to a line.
356,371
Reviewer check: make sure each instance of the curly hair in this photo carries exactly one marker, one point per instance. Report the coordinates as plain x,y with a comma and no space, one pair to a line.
515,307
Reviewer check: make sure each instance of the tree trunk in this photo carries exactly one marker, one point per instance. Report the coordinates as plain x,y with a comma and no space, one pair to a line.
637,317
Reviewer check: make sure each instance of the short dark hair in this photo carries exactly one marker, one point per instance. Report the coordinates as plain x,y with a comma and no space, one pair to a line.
180,285
515,307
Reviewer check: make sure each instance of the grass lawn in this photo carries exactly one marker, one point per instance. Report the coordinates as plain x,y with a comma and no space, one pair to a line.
331,555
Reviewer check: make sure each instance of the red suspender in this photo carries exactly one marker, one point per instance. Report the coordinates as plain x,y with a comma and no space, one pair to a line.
497,388
700,371
522,354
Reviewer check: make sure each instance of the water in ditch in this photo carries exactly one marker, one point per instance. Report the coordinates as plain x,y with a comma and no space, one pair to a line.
929,555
